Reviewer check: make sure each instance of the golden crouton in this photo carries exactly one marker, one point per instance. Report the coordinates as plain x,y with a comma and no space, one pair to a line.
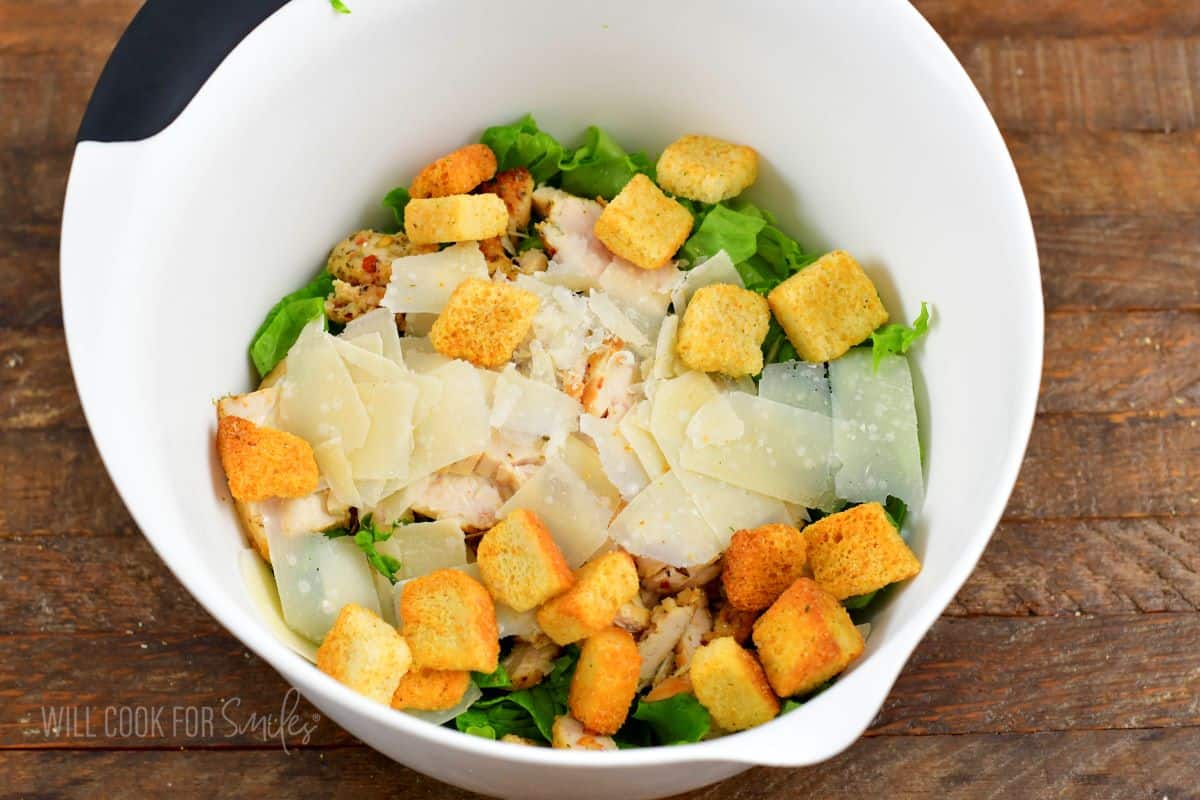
730,684
760,563
364,258
857,551
456,173
263,462
515,188
827,307
483,322
520,563
450,622
732,622
804,639
431,689
706,169
456,218
643,225
348,302
605,680
365,653
602,586
676,684
723,329
568,733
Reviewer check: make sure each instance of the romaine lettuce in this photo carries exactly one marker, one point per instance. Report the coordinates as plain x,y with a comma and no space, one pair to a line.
522,144
278,332
679,719
895,339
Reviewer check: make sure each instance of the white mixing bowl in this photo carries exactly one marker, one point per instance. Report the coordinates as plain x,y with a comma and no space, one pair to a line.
175,245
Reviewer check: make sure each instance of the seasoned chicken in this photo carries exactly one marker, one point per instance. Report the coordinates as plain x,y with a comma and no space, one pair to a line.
662,579
607,389
569,734
668,621
633,616
472,499
511,459
530,661
693,635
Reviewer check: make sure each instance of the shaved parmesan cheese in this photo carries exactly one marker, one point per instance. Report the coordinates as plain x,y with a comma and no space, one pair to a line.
396,506
424,283
541,366
386,452
381,321
365,366
307,514
419,324
371,491
371,342
316,576
585,462
642,295
675,402
264,596
575,515
456,426
715,423
621,464
666,362
797,383
663,523
422,547
783,452
528,406
317,399
259,407
635,427
718,269
615,321
337,472
875,429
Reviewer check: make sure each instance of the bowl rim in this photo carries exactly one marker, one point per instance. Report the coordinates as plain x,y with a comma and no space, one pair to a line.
743,747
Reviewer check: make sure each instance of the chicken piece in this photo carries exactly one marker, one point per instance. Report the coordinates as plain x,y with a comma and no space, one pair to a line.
350,301
533,260
512,738
567,232
633,616
693,635
515,188
497,257
473,499
663,579
668,621
365,258
569,734
530,661
607,389
731,622
511,459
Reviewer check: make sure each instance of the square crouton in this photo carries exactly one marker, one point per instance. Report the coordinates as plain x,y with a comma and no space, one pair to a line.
456,218
456,173
723,329
483,322
602,586
729,682
365,653
430,689
520,563
605,680
858,551
827,307
643,225
805,638
515,188
449,620
760,564
262,462
706,169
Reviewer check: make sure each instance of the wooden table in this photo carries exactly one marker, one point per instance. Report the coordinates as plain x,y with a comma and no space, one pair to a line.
1068,666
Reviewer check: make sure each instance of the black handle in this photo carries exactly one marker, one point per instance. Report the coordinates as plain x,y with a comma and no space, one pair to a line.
162,60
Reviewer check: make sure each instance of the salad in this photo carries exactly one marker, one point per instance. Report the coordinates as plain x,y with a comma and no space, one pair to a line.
583,450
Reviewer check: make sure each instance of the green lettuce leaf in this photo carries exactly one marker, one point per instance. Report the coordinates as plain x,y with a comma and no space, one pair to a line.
679,719
339,6
722,228
278,332
526,712
600,167
493,680
764,255
365,538
397,200
895,339
522,144
859,601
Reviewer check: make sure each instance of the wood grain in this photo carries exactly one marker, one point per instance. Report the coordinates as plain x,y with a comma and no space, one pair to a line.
1086,765
1060,18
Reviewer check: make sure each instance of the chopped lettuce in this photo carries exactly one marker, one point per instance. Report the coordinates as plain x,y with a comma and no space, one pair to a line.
860,600
764,255
365,538
339,6
679,719
522,144
895,339
493,680
722,228
279,331
600,167
397,200
526,712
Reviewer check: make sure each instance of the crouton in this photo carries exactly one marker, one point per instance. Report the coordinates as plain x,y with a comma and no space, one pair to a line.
602,586
729,682
457,218
520,563
263,462
760,564
722,330
430,689
568,733
676,684
858,551
365,653
348,302
450,622
456,173
827,307
605,680
643,225
483,322
706,169
364,258
732,622
804,639
515,188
